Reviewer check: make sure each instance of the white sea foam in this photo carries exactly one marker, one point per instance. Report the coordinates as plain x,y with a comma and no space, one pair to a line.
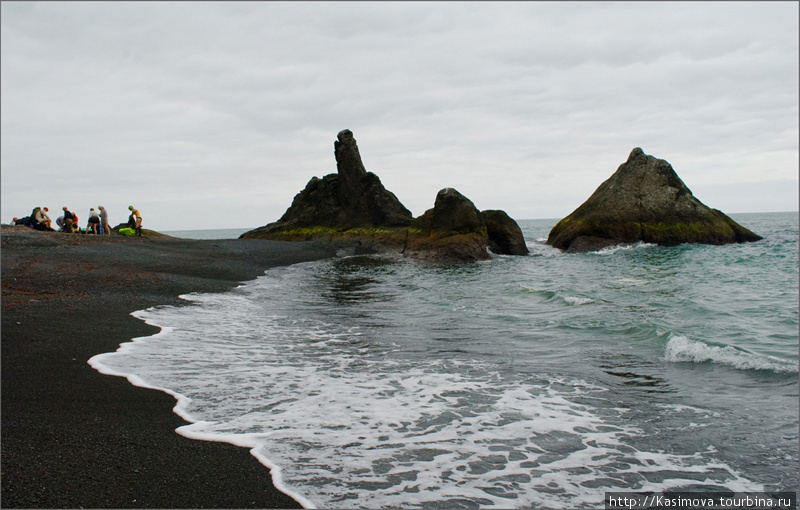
632,282
384,434
386,384
577,301
344,421
610,250
540,248
681,349
197,429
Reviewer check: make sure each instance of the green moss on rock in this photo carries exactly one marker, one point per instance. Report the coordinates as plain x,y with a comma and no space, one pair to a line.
644,200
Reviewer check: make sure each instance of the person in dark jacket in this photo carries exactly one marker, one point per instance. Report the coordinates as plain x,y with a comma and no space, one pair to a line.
69,220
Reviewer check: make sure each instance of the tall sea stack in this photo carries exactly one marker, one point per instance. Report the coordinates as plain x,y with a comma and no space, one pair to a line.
364,200
352,198
352,208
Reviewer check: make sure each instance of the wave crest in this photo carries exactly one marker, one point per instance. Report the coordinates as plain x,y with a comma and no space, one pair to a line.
681,349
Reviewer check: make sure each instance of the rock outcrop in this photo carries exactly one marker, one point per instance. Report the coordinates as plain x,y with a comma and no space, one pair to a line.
450,232
505,236
646,201
352,199
364,200
353,208
452,213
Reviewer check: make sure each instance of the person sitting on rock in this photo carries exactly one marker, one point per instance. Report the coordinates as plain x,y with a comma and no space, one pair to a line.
40,215
35,217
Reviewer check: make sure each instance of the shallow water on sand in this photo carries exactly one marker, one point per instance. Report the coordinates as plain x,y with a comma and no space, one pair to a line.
543,380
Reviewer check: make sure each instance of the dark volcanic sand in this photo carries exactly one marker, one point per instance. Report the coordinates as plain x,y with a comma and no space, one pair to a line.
72,437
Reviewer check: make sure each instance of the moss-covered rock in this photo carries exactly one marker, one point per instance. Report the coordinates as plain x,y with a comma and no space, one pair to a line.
352,208
644,200
350,199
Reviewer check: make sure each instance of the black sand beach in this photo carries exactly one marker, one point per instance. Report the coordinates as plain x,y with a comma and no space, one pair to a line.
72,437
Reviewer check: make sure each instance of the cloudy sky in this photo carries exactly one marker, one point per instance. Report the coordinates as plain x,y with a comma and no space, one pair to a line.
214,115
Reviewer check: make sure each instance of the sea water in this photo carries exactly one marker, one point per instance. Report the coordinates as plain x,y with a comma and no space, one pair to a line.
223,233
542,380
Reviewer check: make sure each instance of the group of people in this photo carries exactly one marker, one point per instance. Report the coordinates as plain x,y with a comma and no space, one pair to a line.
68,222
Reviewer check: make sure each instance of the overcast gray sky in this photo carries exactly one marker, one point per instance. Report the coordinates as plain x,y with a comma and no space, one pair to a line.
214,115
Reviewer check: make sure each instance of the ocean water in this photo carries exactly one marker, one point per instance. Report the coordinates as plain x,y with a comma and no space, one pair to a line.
537,381
223,233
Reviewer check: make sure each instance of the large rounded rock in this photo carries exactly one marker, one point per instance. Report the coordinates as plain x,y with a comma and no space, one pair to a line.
452,213
505,236
646,201
451,232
